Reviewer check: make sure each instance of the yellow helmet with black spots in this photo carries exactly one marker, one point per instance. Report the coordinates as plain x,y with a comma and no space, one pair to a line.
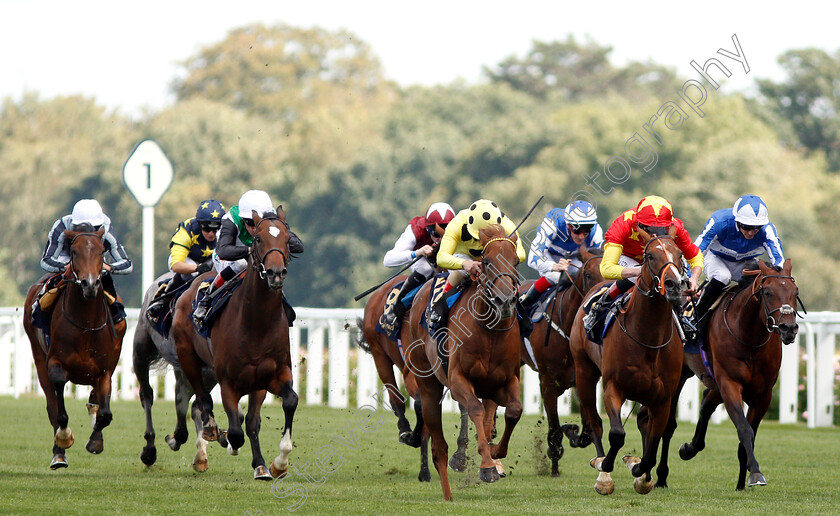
481,214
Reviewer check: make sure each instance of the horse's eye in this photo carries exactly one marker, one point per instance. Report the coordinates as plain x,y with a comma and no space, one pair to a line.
257,239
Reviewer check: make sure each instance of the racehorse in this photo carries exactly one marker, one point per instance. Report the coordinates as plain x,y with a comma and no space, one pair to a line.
153,350
641,359
250,349
84,343
552,358
387,354
482,344
745,336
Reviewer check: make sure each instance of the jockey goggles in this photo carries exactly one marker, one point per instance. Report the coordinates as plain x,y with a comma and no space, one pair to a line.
434,232
655,230
578,229
210,226
746,227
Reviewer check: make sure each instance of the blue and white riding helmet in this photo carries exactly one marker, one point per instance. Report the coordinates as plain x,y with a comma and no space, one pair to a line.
580,214
750,210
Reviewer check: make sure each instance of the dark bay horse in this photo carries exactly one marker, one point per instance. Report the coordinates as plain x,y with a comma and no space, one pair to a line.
250,350
552,358
387,355
482,344
153,351
745,336
641,359
84,346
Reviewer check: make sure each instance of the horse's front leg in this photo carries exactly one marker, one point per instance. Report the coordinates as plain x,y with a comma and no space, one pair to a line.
746,435
183,393
613,400
230,402
658,419
711,400
280,464
63,433
555,434
513,411
463,392
662,469
252,428
458,461
144,353
100,416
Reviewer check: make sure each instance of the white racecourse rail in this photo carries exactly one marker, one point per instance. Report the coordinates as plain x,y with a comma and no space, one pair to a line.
326,337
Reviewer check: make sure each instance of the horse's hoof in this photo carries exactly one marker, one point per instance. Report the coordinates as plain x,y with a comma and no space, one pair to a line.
94,447
201,465
458,461
687,451
488,475
756,479
604,485
261,473
641,486
424,476
405,438
596,462
233,451
64,439
58,462
500,468
555,473
210,434
275,471
223,442
630,461
174,445
148,455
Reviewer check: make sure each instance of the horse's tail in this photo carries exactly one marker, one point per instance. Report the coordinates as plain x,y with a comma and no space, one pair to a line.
360,336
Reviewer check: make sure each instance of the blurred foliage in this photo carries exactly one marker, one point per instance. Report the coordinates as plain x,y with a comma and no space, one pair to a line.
307,115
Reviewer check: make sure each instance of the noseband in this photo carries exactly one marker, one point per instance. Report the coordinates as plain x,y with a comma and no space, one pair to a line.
257,262
658,285
771,326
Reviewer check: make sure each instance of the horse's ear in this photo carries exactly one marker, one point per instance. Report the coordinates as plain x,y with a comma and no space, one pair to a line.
69,234
584,252
100,233
764,268
644,235
255,217
672,231
787,267
281,212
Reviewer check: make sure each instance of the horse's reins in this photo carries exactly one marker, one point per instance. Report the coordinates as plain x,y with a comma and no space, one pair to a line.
770,324
486,291
258,263
562,295
658,285
78,282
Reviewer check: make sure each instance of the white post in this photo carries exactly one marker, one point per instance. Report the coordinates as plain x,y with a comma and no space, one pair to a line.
339,379
531,397
314,364
789,383
564,404
365,378
811,374
688,407
824,400
148,249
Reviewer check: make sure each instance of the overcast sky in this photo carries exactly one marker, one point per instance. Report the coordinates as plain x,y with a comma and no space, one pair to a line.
125,54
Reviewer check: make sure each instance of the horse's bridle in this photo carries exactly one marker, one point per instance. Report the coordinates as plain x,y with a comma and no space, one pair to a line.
257,262
76,279
486,289
78,282
658,285
771,326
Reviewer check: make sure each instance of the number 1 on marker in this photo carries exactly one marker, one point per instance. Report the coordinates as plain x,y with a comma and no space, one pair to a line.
148,175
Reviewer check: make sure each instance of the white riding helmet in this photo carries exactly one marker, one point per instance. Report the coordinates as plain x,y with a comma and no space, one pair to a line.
750,210
255,200
88,211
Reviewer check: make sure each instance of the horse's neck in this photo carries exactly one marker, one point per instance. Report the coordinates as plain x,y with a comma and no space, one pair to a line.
261,301
750,315
82,309
569,303
657,307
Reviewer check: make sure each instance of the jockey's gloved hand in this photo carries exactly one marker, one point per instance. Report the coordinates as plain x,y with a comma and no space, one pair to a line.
204,267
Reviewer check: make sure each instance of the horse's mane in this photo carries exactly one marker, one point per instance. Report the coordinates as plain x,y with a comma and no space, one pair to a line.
752,265
597,251
493,231
84,227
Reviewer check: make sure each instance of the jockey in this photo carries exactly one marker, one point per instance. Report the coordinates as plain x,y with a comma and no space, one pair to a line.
420,239
731,238
191,250
87,216
560,235
460,246
624,248
234,241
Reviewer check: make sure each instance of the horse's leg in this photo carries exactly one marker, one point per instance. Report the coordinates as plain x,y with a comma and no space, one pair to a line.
657,422
490,407
586,381
200,462
230,401
102,414
463,391
711,399
424,475
613,400
662,469
432,392
183,393
513,411
458,462
746,448
144,352
385,368
58,460
417,434
58,378
252,427
555,434
290,401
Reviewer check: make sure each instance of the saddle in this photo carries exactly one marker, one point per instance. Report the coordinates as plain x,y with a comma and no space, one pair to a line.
393,331
44,301
607,317
164,323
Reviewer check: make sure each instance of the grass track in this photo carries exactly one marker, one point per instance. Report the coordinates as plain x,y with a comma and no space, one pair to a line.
381,475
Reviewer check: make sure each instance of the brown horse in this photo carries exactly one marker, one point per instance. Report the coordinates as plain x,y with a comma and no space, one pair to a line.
641,359
745,339
84,346
552,358
386,355
482,343
250,350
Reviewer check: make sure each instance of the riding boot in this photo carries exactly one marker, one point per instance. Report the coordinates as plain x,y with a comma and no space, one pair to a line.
158,306
204,305
527,300
117,308
440,310
711,293
599,306
397,310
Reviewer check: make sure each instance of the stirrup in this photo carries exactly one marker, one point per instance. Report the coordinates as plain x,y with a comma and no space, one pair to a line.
388,318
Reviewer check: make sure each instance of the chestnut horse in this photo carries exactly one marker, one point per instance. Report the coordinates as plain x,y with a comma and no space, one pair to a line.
84,346
386,355
552,358
482,342
250,349
641,359
745,339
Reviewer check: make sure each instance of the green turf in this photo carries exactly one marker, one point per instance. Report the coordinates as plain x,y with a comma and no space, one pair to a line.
380,476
